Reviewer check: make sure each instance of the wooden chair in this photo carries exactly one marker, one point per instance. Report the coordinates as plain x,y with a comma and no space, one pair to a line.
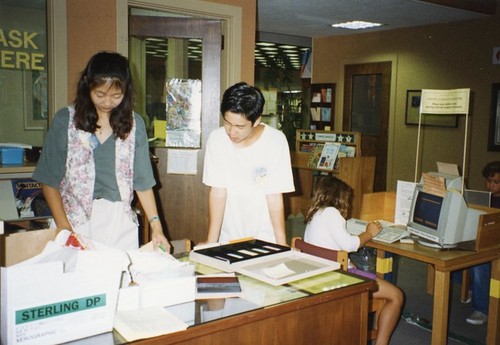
341,256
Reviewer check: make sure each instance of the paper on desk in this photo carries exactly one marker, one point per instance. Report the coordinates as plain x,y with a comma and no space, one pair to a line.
150,266
165,292
146,323
278,271
404,197
74,258
448,168
435,185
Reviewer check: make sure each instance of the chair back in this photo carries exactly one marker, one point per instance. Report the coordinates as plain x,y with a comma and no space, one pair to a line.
339,256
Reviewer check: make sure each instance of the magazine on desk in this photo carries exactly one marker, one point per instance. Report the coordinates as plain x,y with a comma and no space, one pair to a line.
218,286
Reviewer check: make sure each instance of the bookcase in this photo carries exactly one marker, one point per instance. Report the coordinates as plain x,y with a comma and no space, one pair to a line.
322,106
356,170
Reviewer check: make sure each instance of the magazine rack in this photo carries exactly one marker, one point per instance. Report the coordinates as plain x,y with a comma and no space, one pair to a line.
357,171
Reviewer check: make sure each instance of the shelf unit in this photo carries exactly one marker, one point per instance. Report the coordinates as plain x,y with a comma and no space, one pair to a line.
306,140
322,108
357,171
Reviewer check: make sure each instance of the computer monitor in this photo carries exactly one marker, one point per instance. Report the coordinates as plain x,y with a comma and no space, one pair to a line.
442,221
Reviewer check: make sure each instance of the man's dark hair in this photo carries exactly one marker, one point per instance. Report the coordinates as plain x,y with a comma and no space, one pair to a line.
243,99
491,169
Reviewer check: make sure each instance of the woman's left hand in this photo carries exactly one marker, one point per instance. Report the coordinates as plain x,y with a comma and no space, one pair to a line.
158,238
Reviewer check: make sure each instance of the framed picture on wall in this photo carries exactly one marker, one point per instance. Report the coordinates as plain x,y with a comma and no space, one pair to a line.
494,129
413,110
35,100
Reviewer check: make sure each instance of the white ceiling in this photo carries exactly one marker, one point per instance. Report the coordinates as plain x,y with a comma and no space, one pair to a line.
312,18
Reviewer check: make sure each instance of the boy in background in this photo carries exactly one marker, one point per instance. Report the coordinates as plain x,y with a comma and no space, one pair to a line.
480,275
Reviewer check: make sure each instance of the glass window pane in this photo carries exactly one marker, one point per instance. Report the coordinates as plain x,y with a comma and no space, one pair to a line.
366,103
23,71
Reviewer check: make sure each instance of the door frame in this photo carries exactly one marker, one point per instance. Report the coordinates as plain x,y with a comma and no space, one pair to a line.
231,16
390,179
186,192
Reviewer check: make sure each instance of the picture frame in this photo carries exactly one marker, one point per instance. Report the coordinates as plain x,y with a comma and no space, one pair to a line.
35,100
494,123
413,111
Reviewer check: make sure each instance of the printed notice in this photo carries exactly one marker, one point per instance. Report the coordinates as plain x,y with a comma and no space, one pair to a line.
445,101
404,197
182,161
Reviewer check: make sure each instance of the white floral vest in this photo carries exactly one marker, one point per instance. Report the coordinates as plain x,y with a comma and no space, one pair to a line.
77,186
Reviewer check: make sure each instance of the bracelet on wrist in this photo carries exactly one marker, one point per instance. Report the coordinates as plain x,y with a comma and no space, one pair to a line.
154,218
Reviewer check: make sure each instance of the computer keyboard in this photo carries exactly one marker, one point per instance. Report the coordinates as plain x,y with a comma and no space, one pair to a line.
390,232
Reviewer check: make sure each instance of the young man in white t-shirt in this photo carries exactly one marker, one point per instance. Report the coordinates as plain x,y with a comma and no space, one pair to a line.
247,167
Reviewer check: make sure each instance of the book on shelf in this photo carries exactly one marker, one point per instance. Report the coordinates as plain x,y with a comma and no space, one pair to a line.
316,98
307,147
326,94
315,155
326,114
328,156
346,151
316,113
220,286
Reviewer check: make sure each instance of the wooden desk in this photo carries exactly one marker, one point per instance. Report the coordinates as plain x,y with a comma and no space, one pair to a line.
334,317
443,262
298,313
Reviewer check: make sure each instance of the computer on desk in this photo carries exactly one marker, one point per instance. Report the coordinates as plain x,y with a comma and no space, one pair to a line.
442,221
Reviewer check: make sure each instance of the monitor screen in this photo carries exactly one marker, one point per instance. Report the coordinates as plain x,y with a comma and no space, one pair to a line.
427,210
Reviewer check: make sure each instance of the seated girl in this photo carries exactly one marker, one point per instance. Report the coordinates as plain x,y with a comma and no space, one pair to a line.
330,205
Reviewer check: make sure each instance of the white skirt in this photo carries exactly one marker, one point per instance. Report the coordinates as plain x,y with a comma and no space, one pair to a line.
110,225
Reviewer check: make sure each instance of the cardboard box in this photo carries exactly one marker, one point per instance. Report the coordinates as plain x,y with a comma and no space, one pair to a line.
19,246
42,304
11,155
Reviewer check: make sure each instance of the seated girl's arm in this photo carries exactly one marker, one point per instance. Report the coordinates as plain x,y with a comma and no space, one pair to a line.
372,229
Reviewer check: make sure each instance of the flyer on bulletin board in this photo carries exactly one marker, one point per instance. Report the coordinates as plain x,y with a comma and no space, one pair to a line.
183,107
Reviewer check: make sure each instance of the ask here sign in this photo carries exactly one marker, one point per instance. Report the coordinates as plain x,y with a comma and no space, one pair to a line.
454,101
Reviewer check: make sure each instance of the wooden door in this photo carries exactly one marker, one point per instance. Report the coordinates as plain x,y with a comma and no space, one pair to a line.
366,110
183,199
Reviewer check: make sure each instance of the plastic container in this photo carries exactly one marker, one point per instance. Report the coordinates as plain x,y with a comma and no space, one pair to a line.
11,155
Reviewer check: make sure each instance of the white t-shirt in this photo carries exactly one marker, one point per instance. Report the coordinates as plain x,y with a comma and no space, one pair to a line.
327,229
248,174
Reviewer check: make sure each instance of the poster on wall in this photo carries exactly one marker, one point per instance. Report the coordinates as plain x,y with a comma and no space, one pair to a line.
183,109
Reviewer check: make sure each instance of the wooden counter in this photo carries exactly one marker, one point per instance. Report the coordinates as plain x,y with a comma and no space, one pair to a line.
334,317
